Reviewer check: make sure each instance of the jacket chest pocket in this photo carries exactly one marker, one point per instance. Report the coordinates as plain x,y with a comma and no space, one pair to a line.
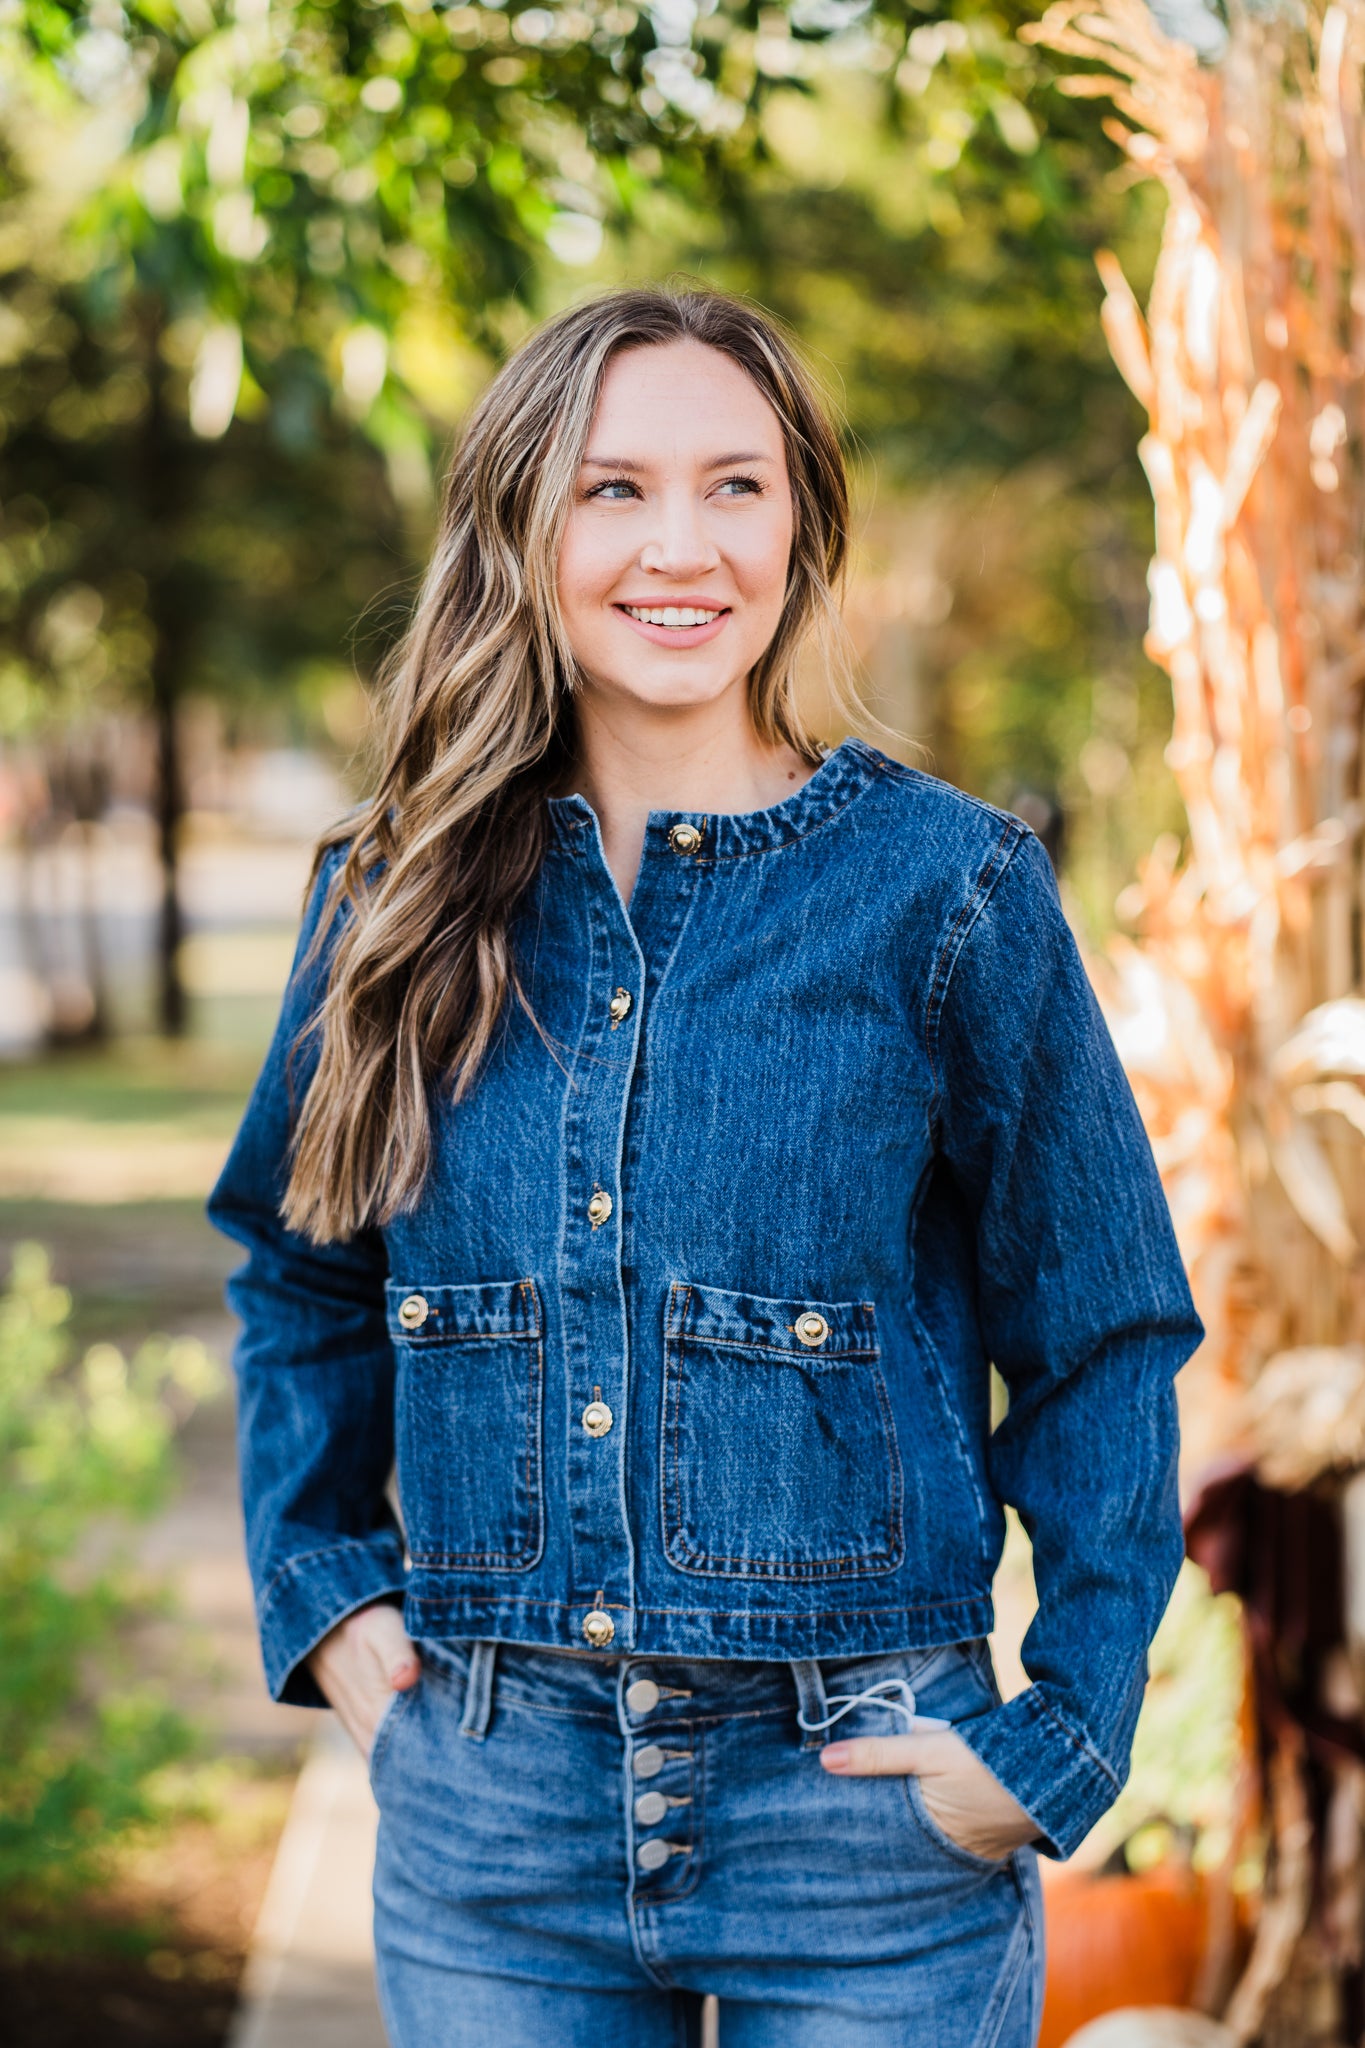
779,1455
471,1371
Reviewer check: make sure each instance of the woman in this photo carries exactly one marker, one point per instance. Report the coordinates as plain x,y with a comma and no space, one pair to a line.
667,1123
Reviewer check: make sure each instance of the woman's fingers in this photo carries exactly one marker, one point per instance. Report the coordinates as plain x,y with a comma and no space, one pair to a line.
878,1756
390,1646
893,1756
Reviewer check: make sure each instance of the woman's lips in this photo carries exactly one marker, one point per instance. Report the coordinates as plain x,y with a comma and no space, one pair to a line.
675,636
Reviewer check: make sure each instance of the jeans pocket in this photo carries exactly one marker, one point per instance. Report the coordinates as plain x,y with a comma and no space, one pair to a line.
467,1418
778,1447
982,1866
394,1707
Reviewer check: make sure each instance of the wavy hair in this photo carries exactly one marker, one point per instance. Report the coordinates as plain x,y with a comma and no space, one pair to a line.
478,728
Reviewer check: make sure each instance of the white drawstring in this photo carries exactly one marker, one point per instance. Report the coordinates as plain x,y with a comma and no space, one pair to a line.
876,1696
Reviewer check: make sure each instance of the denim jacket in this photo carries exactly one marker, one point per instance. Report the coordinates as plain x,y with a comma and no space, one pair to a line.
684,1349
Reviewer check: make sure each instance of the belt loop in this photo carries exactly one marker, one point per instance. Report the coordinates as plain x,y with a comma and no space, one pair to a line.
478,1691
810,1699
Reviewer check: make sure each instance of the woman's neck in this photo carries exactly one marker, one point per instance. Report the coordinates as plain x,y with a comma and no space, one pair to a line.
631,761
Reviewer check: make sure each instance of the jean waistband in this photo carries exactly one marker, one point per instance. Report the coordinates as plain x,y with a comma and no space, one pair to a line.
557,1682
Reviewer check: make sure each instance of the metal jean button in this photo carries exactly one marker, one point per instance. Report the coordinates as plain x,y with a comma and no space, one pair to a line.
599,1208
647,1762
642,1696
413,1311
653,1854
650,1809
599,1628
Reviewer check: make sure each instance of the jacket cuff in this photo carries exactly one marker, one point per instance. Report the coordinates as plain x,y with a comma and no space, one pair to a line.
1061,1781
310,1595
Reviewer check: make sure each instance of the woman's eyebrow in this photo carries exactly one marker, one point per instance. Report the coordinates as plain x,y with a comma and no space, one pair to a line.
634,468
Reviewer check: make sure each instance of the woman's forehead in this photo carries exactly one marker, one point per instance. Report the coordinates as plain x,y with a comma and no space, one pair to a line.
681,395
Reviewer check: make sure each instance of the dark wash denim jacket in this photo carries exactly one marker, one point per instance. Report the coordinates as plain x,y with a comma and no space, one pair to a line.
691,1324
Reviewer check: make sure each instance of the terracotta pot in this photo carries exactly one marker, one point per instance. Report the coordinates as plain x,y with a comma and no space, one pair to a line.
1119,1941
1148,2027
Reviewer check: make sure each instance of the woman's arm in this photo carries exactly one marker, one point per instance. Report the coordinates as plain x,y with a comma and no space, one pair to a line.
1084,1308
315,1374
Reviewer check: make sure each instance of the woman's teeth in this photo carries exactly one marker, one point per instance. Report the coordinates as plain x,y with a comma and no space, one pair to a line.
671,615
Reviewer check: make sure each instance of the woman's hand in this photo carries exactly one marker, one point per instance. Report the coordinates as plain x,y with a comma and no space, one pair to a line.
966,1800
360,1664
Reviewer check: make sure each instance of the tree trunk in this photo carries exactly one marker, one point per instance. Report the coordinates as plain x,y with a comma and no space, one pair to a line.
172,1009
161,484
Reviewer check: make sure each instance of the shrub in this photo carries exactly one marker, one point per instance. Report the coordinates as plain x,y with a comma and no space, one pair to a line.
86,1448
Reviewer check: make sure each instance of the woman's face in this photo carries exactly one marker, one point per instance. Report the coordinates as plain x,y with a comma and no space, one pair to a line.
673,569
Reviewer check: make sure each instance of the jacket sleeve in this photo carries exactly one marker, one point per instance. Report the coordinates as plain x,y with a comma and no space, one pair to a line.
315,1372
1085,1310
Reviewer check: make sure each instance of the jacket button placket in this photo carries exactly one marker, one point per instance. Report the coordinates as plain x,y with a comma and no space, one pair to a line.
601,1588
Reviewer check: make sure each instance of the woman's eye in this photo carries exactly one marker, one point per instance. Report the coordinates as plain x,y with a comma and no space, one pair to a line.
616,489
742,486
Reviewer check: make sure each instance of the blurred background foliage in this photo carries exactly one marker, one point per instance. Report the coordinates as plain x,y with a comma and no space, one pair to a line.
83,1743
257,256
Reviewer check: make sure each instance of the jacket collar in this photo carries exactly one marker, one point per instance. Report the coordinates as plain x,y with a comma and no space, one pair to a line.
845,772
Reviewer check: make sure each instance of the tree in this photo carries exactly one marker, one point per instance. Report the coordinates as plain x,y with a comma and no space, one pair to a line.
257,259
297,221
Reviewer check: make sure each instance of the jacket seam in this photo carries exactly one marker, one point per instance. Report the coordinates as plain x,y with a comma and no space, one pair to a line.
996,864
1078,1742
740,1614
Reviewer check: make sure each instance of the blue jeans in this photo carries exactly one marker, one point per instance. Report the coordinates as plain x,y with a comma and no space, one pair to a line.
573,1850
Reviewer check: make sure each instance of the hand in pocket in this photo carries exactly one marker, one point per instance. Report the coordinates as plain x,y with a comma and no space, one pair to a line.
361,1664
963,1798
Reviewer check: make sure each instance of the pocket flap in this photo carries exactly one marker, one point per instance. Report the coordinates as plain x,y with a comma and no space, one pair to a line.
806,1328
487,1309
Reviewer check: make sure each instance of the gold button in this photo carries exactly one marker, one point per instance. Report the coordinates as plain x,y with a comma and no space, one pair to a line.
599,1628
599,1208
619,1006
597,1418
413,1312
684,838
812,1329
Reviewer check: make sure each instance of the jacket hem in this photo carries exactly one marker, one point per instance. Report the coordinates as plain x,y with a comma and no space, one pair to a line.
778,1635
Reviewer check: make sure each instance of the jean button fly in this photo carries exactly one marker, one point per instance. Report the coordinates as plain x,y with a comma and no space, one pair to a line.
642,1696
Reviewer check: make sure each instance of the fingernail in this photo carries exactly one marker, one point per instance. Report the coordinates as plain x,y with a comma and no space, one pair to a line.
835,1755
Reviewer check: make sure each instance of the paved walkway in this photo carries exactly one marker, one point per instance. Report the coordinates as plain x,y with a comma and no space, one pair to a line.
310,1979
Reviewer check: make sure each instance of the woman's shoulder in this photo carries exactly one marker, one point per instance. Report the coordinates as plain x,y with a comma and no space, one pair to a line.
940,830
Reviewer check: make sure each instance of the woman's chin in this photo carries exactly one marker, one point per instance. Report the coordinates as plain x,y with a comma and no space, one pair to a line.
666,692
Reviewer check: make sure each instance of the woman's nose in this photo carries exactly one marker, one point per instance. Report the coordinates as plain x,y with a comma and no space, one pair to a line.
680,544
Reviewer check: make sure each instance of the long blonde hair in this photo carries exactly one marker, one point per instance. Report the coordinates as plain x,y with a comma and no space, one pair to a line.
478,729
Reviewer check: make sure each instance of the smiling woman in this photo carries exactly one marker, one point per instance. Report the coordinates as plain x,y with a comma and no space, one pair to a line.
669,1121
673,578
